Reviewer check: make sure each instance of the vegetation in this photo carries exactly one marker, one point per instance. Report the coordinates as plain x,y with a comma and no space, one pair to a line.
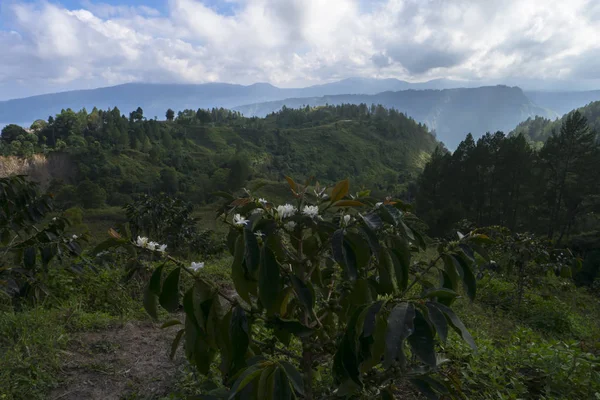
486,289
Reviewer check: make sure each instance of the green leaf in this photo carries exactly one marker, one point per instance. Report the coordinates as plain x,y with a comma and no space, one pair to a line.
238,275
292,326
387,394
390,214
343,254
150,302
155,280
109,244
370,317
269,280
169,296
400,254
29,256
480,239
372,221
294,377
281,386
244,379
303,292
421,340
385,268
469,281
400,325
442,293
175,343
239,333
251,252
450,265
361,293
340,190
438,320
170,323
457,324
225,195
345,360
348,203
263,383
48,253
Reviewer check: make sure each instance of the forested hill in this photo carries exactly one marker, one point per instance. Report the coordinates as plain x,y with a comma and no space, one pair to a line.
563,102
451,113
539,129
114,157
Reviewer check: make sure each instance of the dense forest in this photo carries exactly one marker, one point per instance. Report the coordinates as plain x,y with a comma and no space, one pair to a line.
202,151
331,252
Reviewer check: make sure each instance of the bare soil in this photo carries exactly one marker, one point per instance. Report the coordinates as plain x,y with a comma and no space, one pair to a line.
126,362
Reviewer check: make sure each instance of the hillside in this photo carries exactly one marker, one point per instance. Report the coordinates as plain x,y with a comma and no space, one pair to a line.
539,129
155,99
450,113
201,152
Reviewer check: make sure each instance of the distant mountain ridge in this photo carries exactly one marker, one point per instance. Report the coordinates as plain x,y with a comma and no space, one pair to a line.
452,108
451,113
155,99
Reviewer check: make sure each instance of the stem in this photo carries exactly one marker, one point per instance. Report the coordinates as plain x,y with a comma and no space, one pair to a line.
431,265
306,365
278,350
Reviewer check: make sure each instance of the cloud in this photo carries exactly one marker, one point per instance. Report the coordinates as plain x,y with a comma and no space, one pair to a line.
49,47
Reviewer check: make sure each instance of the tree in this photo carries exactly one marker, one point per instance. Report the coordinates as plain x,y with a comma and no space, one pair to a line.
335,281
170,115
12,132
569,161
169,180
91,195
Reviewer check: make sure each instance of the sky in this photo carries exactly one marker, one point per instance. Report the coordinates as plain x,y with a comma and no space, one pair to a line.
57,45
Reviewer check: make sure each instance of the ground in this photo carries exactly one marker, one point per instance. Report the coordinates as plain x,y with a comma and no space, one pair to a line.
130,361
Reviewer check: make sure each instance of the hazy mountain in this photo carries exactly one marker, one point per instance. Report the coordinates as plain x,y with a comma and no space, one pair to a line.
563,102
155,99
451,113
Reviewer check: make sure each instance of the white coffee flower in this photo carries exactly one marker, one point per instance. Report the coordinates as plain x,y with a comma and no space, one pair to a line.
262,201
161,248
195,266
75,237
377,205
347,218
286,211
259,234
151,246
142,241
258,211
239,220
290,225
311,211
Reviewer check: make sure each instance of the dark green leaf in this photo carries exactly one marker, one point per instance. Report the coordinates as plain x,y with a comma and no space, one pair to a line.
169,296
370,317
400,254
442,293
154,284
387,394
438,320
281,386
238,275
292,326
421,341
108,244
303,292
251,251
385,268
175,343
348,203
269,280
294,377
239,333
264,390
400,325
469,281
29,256
372,221
150,302
457,324
244,379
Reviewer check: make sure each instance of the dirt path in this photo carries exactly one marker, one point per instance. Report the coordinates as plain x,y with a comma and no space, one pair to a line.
126,362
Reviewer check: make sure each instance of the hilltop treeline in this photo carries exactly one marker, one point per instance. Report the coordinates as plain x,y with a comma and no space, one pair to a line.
197,152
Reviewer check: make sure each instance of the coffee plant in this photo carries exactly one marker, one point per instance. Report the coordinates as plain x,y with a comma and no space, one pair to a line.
330,282
27,244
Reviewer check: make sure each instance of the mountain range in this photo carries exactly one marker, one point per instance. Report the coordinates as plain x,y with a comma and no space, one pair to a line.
449,108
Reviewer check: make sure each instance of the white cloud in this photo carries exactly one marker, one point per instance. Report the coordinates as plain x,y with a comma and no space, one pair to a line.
295,42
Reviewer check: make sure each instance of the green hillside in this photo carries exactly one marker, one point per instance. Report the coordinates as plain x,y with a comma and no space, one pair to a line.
199,152
539,129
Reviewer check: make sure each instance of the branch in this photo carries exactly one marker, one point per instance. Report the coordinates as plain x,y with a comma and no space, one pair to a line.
278,350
